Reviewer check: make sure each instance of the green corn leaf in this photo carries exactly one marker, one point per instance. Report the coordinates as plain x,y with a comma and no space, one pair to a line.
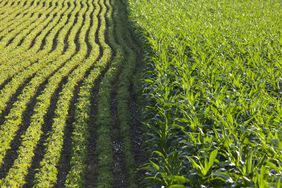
177,186
212,158
179,179
156,166
278,185
223,176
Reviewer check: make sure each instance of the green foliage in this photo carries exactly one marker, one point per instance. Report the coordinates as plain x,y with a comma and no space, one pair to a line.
213,91
48,51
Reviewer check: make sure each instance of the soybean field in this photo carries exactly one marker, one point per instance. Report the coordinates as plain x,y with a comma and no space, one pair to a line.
68,114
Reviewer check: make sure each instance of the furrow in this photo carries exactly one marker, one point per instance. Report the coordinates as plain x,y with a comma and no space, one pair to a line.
46,128
12,99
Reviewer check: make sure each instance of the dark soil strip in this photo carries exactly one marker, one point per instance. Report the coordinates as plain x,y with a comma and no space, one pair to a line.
50,4
119,166
64,163
25,3
92,161
68,34
76,39
89,47
97,41
55,39
137,134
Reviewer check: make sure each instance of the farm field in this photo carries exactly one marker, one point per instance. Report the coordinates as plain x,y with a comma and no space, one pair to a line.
213,90
140,93
68,116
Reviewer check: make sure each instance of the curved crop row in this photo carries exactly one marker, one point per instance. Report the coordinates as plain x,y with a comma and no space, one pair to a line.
17,14
16,44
